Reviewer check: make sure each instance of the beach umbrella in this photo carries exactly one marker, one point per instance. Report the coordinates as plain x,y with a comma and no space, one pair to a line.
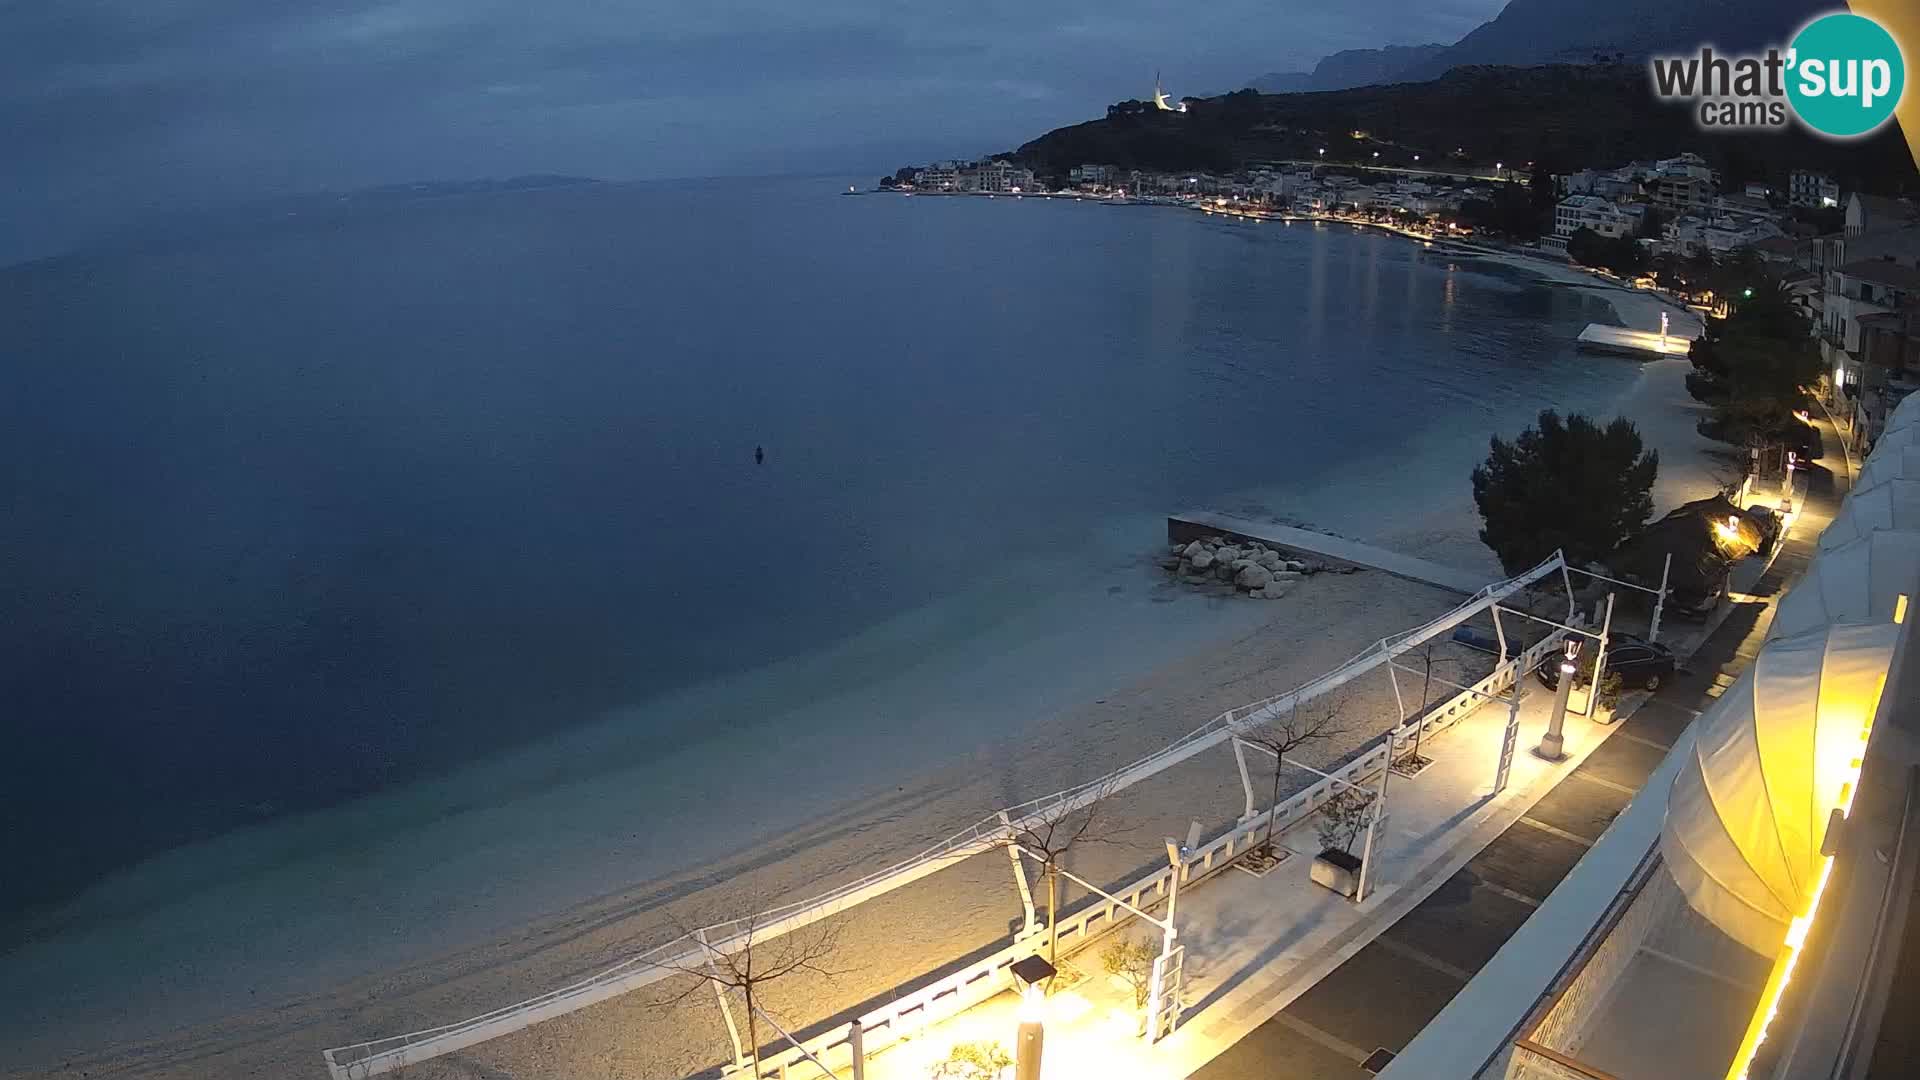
1889,504
1860,581
1774,757
1889,463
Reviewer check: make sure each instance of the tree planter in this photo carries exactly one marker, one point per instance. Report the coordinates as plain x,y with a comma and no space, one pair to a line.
1337,870
1577,706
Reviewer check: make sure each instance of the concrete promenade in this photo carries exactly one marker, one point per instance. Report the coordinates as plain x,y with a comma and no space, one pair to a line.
1286,979
1640,344
1379,1000
1324,547
1254,943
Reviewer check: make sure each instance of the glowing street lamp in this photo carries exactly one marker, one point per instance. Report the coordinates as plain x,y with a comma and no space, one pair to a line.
1553,743
1031,1039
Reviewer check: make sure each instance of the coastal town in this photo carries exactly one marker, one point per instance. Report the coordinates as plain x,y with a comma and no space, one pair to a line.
1393,565
1849,260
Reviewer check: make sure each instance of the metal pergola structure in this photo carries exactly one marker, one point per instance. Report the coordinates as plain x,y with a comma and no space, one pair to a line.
376,1056
1163,1003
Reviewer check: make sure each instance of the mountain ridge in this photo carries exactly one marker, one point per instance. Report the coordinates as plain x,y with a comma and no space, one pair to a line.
1349,68
1531,32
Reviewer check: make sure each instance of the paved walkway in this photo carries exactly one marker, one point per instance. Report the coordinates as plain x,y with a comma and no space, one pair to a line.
1286,979
1326,547
1252,940
1349,1024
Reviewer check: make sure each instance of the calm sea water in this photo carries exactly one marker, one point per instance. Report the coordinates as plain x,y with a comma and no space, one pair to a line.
307,511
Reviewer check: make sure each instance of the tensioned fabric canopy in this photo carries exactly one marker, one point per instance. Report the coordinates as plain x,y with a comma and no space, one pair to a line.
1889,463
1893,438
1905,413
1889,504
1749,807
1855,582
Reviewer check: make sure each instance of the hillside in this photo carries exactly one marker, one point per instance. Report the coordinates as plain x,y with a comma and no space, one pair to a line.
1566,116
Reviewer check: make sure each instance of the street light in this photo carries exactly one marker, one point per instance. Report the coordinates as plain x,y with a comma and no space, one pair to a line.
1032,1036
1553,743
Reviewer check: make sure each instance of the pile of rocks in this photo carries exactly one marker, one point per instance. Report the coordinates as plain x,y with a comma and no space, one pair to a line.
1249,566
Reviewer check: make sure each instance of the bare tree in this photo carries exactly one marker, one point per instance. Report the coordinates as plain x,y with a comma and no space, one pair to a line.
1132,960
1428,660
1315,720
1047,833
749,960
1343,817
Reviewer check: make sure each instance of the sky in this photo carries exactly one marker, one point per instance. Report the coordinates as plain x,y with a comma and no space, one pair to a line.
114,108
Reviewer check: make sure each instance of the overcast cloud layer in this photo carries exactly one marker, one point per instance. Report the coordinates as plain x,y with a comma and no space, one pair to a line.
109,108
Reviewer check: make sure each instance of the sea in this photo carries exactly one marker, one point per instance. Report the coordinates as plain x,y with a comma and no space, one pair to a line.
366,540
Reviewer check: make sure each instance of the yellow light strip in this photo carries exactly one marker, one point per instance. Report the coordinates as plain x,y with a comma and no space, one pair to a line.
1802,923
1900,609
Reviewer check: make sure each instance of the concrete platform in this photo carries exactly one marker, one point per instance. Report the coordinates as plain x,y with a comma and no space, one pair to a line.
1639,344
1322,547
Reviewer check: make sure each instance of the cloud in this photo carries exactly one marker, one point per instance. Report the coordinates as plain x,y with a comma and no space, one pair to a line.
109,106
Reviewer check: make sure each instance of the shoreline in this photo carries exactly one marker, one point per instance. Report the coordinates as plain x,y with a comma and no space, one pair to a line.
1324,622
1142,708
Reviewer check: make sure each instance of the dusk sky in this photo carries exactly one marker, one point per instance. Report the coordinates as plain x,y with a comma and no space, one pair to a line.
113,107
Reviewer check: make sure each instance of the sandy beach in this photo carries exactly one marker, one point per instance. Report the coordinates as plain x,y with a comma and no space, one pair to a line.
174,977
914,930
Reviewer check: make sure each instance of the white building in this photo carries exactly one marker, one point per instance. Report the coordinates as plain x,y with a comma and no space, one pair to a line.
1001,176
1093,176
1808,188
939,176
1882,277
1576,212
1691,166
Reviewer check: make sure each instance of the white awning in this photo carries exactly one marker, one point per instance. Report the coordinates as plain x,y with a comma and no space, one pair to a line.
1904,414
1889,463
1893,438
1889,504
1859,581
1749,808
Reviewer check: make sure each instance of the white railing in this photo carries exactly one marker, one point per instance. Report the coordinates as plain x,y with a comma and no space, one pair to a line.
377,1056
910,1014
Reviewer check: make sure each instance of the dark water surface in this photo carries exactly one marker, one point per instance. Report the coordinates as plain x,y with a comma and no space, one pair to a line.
306,511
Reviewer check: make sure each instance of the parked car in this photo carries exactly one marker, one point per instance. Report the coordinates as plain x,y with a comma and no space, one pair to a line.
1641,665
1694,606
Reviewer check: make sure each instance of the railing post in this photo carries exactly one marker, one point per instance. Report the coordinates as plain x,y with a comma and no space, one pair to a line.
1660,601
1020,878
726,1013
1246,783
1600,661
1508,739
